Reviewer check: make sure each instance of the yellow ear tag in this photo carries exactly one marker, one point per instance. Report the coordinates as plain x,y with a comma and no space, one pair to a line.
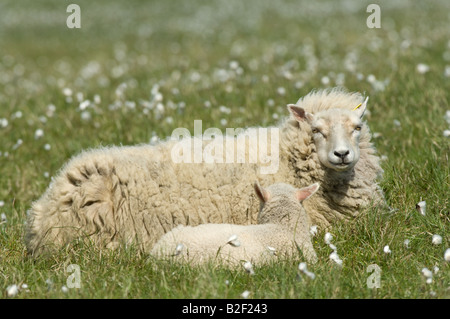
357,106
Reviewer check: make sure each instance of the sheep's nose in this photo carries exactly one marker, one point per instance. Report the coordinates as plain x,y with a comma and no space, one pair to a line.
342,154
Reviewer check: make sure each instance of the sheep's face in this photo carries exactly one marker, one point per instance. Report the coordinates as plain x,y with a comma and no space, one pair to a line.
336,136
335,133
281,203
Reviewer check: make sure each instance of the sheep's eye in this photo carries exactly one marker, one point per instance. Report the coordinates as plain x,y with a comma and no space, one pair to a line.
315,130
358,128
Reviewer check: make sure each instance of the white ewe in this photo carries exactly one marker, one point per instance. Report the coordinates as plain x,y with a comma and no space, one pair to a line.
138,193
283,230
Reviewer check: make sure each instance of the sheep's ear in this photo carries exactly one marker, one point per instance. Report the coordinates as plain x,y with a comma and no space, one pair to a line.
299,113
361,109
305,192
262,194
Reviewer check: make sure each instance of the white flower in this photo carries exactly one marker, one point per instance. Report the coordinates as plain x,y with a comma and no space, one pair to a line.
245,294
84,105
313,230
428,275
67,92
64,289
447,116
178,249
386,249
47,147
447,255
447,71
154,139
281,90
406,243
446,133
3,122
86,116
335,257
435,269
97,99
325,80
224,109
422,68
233,241
12,290
328,237
249,268
437,239
302,267
38,133
270,102
421,207
371,78
234,65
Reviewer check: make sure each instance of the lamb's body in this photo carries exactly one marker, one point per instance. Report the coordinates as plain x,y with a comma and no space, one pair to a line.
137,194
283,229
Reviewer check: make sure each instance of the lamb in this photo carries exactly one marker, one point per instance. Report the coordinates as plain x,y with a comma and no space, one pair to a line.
283,228
136,194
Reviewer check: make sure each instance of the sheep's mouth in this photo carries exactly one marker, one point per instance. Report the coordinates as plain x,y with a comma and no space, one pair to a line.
341,166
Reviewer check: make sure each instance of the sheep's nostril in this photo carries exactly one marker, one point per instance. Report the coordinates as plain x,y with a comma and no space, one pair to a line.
342,154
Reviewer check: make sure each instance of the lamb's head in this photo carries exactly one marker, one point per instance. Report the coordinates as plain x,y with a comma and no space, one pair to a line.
281,203
335,133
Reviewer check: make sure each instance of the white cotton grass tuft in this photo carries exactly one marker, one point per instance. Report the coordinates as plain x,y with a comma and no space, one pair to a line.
233,241
3,218
428,275
436,239
178,249
249,268
421,207
447,255
303,268
272,250
12,290
38,134
328,238
313,230
422,68
447,116
406,243
245,294
335,257
387,250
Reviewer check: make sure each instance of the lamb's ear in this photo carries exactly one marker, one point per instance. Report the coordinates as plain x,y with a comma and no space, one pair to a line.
262,194
299,113
305,192
361,109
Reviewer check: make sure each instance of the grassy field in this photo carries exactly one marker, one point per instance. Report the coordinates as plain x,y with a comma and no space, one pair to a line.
133,73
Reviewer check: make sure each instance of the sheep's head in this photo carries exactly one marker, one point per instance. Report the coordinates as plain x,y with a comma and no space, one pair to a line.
280,202
335,133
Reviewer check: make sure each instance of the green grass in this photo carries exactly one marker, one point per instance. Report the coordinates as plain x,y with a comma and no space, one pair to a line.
186,48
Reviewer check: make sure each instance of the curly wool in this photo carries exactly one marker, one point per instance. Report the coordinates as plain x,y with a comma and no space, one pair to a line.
283,229
136,194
